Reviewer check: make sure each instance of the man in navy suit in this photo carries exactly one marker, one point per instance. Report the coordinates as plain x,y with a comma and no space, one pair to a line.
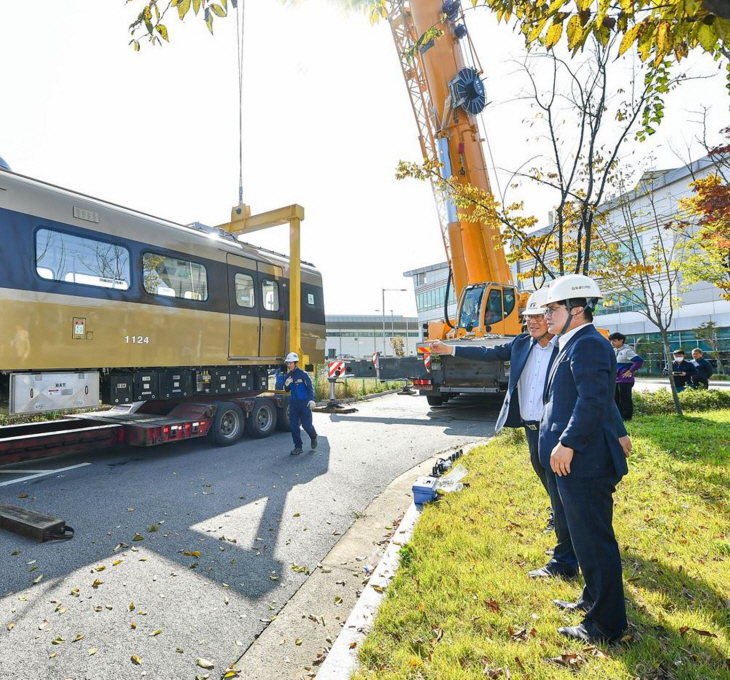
580,450
529,355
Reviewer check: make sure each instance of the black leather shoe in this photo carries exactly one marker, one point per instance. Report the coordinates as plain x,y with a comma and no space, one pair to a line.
551,571
573,606
587,633
296,451
314,443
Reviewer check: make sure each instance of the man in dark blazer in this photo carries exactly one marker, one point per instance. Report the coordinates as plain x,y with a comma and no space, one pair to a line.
522,404
580,450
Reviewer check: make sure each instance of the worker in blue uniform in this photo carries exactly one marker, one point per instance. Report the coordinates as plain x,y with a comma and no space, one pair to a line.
580,450
299,384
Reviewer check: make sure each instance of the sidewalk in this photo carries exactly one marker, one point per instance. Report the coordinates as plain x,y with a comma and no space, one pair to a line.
296,642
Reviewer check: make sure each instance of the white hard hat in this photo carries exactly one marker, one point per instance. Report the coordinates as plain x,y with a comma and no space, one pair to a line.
536,303
573,286
292,356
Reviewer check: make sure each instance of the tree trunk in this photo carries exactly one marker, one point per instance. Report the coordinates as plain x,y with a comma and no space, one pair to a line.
670,375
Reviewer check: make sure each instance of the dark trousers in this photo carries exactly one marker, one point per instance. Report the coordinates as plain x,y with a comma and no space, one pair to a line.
300,413
532,437
704,382
564,558
587,505
624,400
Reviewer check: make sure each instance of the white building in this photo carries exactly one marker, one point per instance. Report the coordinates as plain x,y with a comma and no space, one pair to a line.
359,337
660,190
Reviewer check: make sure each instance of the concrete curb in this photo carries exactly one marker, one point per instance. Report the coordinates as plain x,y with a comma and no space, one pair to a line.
341,660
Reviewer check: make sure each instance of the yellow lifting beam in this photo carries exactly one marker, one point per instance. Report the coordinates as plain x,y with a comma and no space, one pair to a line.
242,222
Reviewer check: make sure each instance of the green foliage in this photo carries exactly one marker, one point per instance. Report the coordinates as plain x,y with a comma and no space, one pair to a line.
693,401
149,20
463,608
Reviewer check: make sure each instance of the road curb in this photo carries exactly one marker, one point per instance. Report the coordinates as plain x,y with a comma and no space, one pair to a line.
341,660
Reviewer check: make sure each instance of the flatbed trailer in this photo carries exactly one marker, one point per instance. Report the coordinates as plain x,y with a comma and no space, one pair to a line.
145,424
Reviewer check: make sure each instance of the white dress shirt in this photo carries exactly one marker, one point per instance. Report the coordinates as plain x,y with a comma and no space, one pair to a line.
531,384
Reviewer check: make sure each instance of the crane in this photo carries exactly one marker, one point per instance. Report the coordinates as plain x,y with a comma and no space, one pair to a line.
443,79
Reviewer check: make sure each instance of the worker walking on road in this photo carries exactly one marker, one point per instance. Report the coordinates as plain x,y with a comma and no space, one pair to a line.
299,384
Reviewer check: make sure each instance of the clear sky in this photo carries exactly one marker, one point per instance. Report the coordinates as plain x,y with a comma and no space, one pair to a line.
326,120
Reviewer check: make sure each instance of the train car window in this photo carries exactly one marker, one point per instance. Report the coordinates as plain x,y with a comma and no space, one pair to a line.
244,291
173,277
270,291
75,259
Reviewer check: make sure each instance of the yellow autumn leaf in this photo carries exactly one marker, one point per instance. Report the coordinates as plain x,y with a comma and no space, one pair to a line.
97,582
575,31
101,567
553,35
10,626
133,625
708,38
629,38
662,40
80,636
39,579
137,537
92,651
298,642
192,553
231,674
155,632
116,563
131,606
136,660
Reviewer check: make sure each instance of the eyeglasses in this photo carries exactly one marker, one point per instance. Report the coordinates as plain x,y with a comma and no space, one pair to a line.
549,311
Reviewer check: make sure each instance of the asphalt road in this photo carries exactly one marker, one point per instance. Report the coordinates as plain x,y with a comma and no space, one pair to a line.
183,555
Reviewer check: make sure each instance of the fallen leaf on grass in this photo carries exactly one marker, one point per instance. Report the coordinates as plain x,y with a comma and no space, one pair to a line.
204,663
684,629
569,660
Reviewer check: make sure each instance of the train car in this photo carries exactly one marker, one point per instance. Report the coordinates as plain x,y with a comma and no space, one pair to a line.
100,302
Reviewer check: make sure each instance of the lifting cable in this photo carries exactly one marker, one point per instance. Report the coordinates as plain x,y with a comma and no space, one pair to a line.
240,13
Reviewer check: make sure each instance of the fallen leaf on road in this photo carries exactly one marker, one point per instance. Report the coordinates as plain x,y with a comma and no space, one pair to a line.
138,537
58,641
116,562
101,567
230,673
92,651
192,553
338,600
10,626
39,579
80,636
204,663
155,632
136,660
96,583
298,642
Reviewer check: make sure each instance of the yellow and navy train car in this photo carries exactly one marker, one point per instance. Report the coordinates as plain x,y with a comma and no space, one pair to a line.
98,301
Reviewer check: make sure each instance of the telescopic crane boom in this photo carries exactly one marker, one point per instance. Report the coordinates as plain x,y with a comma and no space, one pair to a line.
443,78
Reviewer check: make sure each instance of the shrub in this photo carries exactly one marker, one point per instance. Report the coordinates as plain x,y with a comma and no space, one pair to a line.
693,401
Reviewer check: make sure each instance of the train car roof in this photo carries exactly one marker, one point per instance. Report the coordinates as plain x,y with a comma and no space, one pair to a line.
196,229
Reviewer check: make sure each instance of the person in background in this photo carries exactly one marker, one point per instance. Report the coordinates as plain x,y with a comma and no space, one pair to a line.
704,369
682,370
627,362
301,404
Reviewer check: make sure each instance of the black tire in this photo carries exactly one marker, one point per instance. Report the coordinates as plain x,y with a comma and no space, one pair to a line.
261,422
228,424
434,400
282,418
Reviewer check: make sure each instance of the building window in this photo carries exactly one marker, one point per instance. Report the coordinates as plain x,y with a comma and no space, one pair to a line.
75,259
173,277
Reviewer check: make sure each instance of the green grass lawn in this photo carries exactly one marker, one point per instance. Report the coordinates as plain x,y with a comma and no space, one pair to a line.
462,605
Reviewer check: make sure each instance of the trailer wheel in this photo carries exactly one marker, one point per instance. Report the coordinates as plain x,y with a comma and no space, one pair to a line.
282,418
434,400
261,422
228,424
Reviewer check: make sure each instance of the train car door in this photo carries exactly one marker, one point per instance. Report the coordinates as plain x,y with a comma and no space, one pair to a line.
274,299
244,306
